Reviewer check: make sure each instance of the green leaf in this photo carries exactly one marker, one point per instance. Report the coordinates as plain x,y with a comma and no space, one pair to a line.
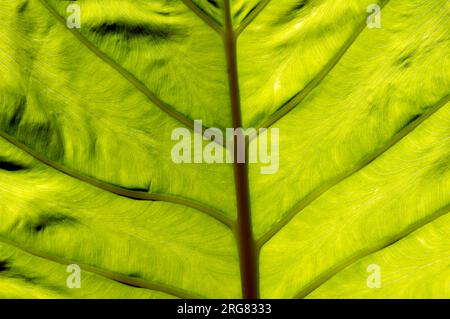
87,177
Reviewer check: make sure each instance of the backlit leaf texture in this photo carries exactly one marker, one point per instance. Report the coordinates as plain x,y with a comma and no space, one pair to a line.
87,178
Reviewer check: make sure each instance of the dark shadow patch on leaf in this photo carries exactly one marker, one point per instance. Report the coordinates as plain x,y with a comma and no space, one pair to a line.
18,113
164,13
26,278
53,220
440,170
239,12
22,7
300,5
137,189
214,4
10,166
292,13
45,137
37,281
132,31
158,63
404,62
410,121
4,265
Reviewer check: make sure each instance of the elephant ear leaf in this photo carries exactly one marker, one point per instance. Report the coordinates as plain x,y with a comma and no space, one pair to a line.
92,205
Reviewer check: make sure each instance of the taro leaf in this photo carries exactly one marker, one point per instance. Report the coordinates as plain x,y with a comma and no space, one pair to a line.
86,175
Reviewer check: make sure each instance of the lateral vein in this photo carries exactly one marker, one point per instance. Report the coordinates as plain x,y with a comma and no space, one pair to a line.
125,73
210,22
306,91
313,196
252,16
126,280
120,191
327,275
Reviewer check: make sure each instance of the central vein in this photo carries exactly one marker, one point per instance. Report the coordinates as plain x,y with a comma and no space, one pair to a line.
244,234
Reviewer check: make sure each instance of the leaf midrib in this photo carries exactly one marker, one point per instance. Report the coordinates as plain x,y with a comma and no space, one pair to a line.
243,230
248,257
